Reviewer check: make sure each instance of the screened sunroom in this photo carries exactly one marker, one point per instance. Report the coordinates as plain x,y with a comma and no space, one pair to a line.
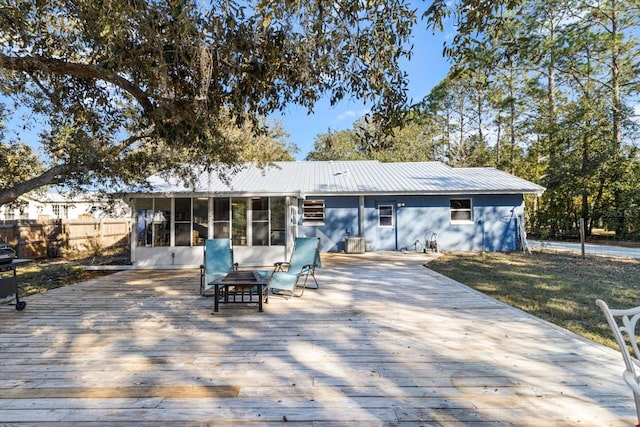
172,230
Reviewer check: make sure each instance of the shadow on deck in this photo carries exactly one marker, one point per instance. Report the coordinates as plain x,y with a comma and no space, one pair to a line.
384,341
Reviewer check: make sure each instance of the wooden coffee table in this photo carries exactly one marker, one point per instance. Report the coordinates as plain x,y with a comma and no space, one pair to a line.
241,284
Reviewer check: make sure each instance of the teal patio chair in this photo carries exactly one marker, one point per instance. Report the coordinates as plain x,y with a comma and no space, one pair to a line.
304,261
218,262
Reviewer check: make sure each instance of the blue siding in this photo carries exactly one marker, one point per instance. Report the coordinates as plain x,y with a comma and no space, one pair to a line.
341,218
415,218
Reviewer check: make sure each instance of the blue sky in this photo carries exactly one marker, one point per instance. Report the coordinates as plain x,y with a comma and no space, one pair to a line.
426,69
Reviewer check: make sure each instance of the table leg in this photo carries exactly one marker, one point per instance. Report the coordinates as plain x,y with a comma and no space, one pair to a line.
216,297
260,288
20,305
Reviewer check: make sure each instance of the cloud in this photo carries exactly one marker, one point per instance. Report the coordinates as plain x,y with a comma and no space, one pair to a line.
351,115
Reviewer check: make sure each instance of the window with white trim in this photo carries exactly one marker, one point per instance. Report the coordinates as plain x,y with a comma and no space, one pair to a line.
313,212
278,220
182,218
221,218
162,222
9,213
60,210
460,210
145,222
200,220
260,221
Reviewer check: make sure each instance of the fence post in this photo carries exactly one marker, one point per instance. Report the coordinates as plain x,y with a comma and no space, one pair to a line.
582,237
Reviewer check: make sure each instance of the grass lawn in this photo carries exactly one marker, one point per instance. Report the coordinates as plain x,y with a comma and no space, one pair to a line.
44,274
557,287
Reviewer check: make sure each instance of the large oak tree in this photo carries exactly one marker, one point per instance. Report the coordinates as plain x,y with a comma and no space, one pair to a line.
131,88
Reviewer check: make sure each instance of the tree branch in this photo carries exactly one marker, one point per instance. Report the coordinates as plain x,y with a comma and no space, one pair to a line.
126,143
30,64
55,175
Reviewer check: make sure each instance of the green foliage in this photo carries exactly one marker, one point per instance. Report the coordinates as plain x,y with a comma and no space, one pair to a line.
341,145
415,141
544,91
128,89
18,161
559,80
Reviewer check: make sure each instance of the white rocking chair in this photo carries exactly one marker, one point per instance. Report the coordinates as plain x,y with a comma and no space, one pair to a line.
624,322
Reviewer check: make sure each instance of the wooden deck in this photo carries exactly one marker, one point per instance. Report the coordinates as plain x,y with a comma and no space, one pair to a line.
384,341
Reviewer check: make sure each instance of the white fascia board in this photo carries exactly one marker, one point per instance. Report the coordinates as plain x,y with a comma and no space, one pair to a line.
212,194
426,193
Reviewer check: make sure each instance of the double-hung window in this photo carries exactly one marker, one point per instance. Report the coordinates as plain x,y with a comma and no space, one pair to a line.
460,210
385,215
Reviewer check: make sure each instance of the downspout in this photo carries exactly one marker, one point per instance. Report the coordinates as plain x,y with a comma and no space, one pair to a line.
361,217
288,230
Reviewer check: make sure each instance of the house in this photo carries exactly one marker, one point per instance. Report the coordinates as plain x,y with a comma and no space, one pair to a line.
350,205
46,206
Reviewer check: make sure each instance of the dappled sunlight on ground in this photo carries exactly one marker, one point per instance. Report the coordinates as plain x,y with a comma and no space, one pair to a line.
383,341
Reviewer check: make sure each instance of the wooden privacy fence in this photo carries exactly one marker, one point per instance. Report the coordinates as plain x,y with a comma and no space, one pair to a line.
37,239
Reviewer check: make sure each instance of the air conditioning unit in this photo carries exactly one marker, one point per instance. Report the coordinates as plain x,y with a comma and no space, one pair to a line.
354,245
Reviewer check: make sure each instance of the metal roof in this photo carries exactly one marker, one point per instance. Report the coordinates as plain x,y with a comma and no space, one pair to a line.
352,177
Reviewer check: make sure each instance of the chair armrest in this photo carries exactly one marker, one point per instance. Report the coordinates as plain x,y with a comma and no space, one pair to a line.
307,268
235,266
279,266
631,381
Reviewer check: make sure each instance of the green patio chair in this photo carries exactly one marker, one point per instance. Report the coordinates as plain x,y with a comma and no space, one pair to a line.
218,262
304,261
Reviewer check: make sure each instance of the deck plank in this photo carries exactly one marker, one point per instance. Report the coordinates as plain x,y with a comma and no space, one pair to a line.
384,341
